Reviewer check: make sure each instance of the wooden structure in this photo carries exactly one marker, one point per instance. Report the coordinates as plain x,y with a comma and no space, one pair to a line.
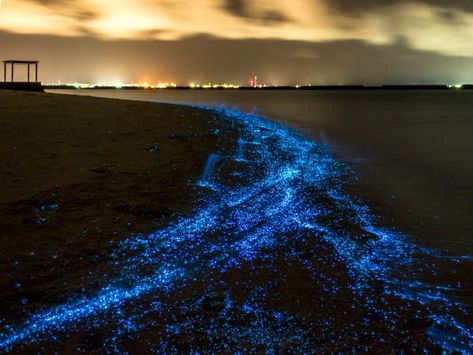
12,64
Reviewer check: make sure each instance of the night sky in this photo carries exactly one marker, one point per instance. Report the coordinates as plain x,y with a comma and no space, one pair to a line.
283,42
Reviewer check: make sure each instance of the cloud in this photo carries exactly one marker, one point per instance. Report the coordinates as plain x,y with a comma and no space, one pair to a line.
426,25
363,6
426,28
243,8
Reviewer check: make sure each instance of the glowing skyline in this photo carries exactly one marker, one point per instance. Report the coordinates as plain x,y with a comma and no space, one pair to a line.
419,35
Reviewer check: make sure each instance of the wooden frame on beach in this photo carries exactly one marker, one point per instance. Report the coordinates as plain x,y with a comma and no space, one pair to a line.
21,62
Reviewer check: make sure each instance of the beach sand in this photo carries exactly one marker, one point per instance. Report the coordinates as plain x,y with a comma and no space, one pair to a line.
78,175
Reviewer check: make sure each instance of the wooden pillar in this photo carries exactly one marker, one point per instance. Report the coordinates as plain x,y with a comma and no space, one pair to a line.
12,71
28,72
5,72
36,72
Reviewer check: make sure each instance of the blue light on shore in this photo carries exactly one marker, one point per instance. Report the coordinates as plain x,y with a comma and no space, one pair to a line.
293,193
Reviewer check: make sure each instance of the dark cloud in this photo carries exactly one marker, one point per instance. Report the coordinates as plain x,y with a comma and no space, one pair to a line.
86,15
49,2
450,17
236,7
241,8
274,61
64,7
357,7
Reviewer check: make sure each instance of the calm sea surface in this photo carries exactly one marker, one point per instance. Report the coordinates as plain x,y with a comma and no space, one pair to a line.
413,150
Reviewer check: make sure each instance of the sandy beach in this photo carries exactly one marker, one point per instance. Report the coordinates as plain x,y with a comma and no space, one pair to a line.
136,226
78,173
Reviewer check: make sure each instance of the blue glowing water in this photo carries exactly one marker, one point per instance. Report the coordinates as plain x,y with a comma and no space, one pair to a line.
290,211
206,179
411,149
240,156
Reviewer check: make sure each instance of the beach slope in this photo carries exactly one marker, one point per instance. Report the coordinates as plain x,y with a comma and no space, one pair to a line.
143,227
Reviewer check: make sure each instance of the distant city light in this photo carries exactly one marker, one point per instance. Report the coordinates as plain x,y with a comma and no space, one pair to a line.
117,85
252,83
214,86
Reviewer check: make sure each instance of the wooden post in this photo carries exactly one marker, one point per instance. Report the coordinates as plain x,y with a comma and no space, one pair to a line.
36,72
5,72
28,72
12,71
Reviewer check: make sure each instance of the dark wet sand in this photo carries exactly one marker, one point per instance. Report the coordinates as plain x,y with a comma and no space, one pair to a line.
78,175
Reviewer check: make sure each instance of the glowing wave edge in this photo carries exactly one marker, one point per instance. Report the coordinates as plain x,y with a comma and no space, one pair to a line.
272,202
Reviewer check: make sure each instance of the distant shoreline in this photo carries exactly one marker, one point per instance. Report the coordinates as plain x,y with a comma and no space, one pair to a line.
316,88
20,86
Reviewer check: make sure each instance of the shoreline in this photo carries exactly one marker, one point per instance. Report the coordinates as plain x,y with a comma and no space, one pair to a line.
284,87
260,203
401,172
